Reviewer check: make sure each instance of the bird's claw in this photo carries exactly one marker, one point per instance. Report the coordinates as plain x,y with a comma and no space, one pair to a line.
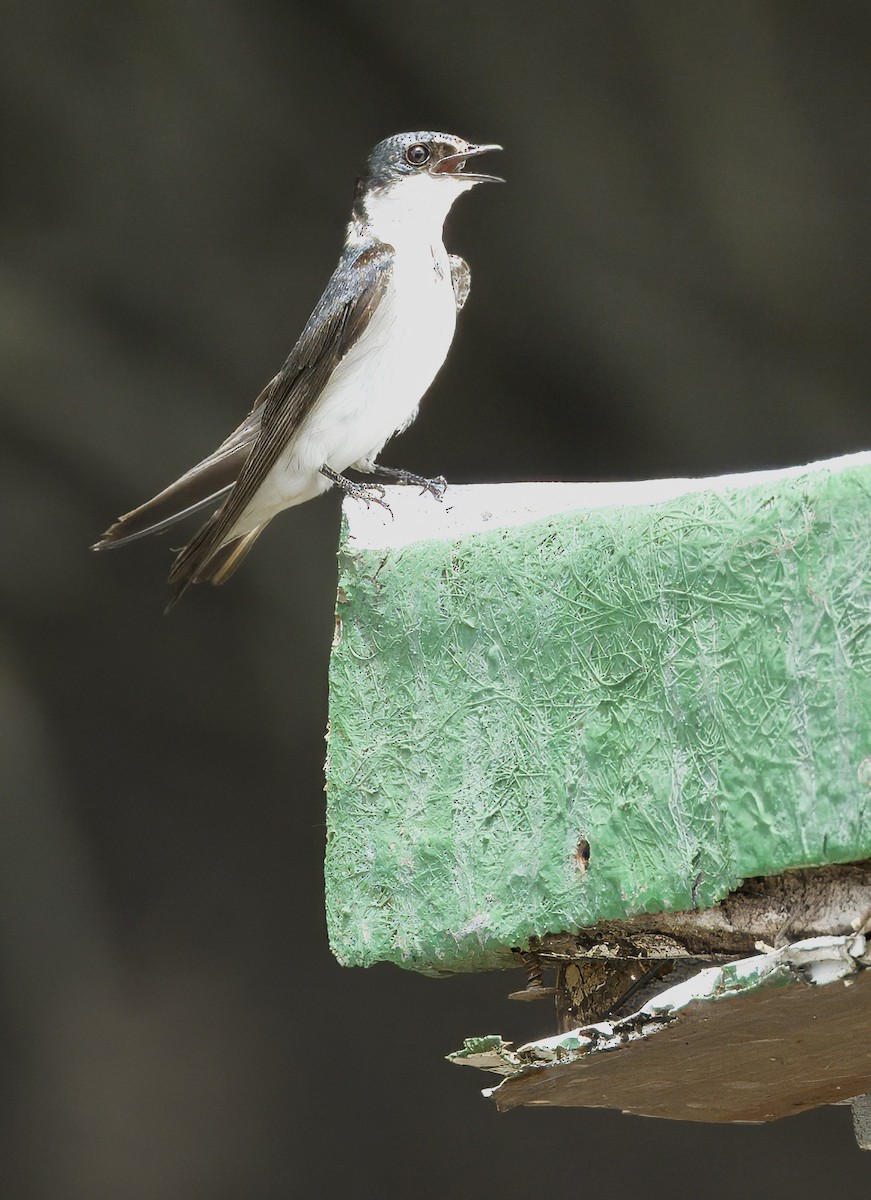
368,494
436,487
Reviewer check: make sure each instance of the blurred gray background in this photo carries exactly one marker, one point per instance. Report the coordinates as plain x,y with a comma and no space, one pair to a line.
675,280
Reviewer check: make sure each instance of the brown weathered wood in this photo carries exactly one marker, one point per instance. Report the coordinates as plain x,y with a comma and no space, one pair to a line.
813,902
586,991
752,1057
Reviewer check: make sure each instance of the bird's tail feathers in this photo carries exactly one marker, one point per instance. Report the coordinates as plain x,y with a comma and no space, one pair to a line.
198,562
226,561
204,485
155,515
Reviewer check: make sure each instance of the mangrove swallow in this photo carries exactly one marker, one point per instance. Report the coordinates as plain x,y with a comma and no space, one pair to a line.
367,354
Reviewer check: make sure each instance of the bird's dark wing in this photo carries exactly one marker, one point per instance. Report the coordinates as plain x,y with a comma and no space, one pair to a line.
202,486
461,278
344,311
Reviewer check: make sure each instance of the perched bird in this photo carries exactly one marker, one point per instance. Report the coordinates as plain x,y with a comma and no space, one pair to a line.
367,354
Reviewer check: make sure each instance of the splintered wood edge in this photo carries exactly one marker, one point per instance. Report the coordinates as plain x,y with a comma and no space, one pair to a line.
477,508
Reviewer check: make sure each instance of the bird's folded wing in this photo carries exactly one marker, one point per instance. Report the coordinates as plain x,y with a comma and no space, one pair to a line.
461,278
344,311
338,321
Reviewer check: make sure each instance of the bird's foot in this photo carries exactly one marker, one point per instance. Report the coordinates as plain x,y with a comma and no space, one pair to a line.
436,487
366,493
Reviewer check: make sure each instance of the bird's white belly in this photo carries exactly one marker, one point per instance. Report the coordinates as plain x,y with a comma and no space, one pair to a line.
374,391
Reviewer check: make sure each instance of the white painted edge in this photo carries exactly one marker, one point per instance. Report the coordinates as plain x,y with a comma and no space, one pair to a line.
476,508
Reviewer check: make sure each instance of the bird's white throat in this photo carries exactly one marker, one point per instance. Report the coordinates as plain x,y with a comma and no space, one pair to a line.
412,211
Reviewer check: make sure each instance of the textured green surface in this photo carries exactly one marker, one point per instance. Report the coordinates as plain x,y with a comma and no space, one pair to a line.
684,685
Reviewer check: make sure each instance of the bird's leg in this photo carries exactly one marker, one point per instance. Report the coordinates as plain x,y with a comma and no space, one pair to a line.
436,487
371,493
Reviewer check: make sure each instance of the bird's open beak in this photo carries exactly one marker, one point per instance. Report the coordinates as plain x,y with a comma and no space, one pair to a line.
454,164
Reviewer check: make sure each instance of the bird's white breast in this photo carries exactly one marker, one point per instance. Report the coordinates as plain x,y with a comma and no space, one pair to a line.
377,387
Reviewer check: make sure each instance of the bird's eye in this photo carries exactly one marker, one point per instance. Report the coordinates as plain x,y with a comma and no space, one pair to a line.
417,155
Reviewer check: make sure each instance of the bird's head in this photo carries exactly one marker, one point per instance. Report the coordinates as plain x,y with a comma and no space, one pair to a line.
413,179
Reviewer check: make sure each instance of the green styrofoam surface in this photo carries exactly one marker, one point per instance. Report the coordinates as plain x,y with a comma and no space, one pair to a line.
686,685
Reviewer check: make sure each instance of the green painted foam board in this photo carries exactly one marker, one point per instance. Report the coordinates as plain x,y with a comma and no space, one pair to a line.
675,673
